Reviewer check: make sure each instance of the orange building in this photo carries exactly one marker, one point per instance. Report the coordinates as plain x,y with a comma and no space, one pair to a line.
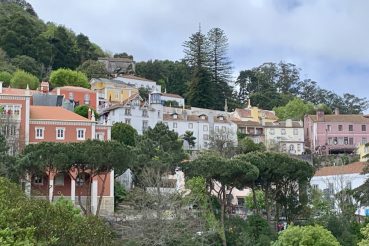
22,123
77,95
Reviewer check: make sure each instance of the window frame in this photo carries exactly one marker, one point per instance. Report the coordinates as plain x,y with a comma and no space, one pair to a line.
42,131
57,133
84,134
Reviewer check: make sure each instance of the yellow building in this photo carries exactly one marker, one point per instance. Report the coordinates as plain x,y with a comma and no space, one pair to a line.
110,91
363,150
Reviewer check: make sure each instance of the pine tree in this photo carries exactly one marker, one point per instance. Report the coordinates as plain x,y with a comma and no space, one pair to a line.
200,88
220,66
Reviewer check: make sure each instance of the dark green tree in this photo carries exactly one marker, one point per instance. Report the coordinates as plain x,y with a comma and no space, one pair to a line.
5,77
189,138
220,66
82,110
124,133
28,64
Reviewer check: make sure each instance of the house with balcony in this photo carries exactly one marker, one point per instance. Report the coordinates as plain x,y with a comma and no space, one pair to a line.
285,136
336,133
251,121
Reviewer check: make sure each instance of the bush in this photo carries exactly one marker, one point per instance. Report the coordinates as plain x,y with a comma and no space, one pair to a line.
25,221
82,110
6,78
21,79
119,193
306,236
64,77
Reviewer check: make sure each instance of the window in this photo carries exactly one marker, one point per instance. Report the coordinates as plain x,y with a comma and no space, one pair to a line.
81,134
86,99
330,141
59,179
80,180
295,131
217,129
38,180
145,125
174,124
116,95
363,128
351,141
292,147
283,131
271,131
363,140
351,128
284,147
158,113
299,147
341,141
144,113
60,133
205,128
127,111
315,186
203,117
329,128
190,125
71,96
335,140
221,118
340,128
128,121
175,116
39,132
224,129
206,137
345,140
99,136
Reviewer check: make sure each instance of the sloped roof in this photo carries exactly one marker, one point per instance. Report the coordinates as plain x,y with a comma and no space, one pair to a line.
246,123
54,113
75,88
356,167
243,112
129,76
171,95
282,124
18,92
191,117
353,118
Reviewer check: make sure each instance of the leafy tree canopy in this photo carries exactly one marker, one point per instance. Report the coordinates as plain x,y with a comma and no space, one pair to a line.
21,79
124,133
64,77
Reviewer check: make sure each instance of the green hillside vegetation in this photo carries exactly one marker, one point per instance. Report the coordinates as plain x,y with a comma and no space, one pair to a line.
30,44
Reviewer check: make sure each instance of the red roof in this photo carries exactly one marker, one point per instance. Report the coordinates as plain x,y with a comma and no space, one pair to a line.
356,167
18,92
54,113
243,113
75,88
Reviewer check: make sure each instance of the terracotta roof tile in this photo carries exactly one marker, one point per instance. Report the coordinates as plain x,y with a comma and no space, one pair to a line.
75,88
356,167
354,118
54,113
246,123
18,92
243,113
171,95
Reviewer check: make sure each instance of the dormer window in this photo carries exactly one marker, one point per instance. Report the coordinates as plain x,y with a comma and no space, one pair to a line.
203,117
175,116
221,118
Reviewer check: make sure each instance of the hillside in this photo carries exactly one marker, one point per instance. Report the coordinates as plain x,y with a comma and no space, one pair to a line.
29,43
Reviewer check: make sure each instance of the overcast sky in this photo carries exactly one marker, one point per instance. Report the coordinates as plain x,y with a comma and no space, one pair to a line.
328,39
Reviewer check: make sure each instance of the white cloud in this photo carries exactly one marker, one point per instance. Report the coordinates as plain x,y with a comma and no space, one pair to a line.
320,36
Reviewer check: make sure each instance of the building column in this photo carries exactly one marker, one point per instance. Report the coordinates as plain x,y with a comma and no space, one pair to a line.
51,186
73,190
27,185
94,195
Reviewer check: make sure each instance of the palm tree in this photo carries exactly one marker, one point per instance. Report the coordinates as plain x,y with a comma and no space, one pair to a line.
189,138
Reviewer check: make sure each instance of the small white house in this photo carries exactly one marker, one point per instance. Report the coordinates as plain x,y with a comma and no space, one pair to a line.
285,136
332,180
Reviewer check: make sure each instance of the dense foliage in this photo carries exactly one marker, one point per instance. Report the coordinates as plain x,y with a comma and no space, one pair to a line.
27,221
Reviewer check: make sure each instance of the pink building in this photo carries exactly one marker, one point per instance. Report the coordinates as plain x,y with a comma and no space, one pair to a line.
336,133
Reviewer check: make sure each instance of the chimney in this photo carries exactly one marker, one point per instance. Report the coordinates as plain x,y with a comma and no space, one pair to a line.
288,123
44,87
320,115
89,114
336,111
1,87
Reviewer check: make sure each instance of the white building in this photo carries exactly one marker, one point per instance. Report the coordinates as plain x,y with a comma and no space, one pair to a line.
139,82
177,99
285,136
331,180
205,124
134,111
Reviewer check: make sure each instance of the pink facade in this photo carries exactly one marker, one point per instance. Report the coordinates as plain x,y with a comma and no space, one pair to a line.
329,134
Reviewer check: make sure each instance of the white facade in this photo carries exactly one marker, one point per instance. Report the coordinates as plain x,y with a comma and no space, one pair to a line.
285,136
135,113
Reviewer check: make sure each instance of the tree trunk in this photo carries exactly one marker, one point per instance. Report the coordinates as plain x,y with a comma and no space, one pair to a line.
256,209
223,201
101,194
267,206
